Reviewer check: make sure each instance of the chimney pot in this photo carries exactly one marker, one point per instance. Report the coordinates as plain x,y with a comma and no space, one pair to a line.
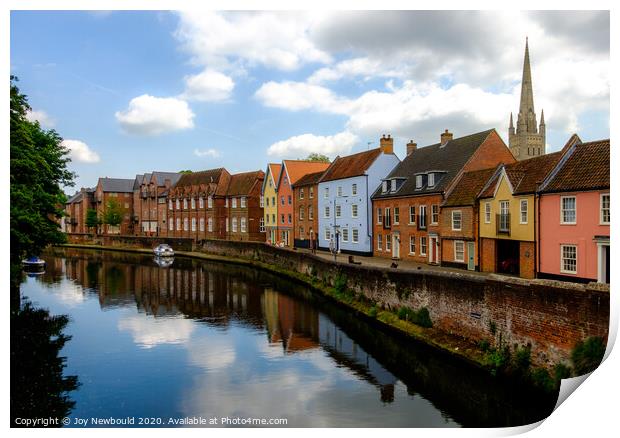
411,146
386,144
446,136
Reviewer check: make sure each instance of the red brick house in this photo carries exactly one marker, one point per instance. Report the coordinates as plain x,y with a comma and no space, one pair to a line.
117,190
244,207
196,205
306,206
406,207
150,202
76,208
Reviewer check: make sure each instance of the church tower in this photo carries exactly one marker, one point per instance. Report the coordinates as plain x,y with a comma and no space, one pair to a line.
528,140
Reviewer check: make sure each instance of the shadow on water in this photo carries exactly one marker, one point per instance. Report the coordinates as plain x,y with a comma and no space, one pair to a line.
39,388
217,294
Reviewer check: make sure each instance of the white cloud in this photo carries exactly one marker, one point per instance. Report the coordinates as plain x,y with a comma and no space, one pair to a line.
149,115
363,67
295,96
238,39
207,153
208,86
42,117
150,332
80,151
301,145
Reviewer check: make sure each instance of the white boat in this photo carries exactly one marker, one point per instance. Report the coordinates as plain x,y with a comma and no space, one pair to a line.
33,264
163,250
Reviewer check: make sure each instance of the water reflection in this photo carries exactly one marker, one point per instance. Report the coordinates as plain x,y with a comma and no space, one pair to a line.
247,348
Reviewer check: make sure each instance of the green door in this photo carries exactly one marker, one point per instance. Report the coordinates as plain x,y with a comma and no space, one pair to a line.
471,265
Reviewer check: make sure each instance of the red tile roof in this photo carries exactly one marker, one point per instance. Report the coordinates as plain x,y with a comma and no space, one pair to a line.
586,168
242,183
274,170
351,165
298,168
468,187
309,179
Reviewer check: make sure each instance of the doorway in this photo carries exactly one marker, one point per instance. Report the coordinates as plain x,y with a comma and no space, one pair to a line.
396,245
507,256
471,249
433,244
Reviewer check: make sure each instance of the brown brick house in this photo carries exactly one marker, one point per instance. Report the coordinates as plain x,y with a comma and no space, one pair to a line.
150,202
75,211
118,190
244,207
459,220
196,205
406,207
305,194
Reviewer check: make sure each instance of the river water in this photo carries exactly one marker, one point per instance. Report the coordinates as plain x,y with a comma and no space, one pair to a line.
203,341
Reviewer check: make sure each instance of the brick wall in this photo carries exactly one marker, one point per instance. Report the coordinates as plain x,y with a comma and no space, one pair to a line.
550,316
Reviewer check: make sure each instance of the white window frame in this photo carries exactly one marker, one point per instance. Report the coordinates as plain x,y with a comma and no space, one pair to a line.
434,215
354,189
210,224
310,213
262,201
565,271
301,193
418,181
379,242
412,244
243,202
339,191
234,224
234,202
327,234
170,204
326,212
431,179
460,213
185,224
201,202
412,214
311,194
602,221
384,186
261,224
201,224
178,224
423,225
210,202
193,224
355,235
338,210
521,211
487,212
456,252
354,210
425,246
396,216
170,224
379,216
388,242
244,228
326,192
345,234
562,198
301,213
184,203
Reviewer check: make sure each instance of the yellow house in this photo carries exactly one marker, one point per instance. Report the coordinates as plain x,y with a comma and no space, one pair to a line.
270,201
508,216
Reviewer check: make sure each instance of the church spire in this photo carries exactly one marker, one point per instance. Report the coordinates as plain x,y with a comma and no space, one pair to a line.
527,115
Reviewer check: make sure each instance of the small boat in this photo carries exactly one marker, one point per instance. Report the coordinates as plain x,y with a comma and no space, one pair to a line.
163,250
33,264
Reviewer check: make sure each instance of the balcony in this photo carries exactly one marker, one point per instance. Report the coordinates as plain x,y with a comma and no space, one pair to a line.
502,223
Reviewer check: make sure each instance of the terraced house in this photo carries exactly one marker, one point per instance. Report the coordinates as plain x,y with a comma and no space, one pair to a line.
345,209
120,192
574,204
197,205
244,209
306,206
269,193
150,195
508,216
292,171
76,208
407,219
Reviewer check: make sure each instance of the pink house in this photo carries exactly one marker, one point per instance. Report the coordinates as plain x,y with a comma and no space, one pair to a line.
574,201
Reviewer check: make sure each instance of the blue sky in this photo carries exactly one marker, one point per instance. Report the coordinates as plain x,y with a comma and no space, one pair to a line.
133,92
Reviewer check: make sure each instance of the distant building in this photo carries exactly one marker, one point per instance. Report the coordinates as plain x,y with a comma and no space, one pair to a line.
150,196
306,203
574,242
244,210
76,209
119,190
528,140
344,191
269,192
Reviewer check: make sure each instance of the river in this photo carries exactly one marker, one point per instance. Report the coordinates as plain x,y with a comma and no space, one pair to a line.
203,341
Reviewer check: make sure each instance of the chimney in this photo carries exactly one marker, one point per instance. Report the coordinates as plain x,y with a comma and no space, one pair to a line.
386,144
411,146
445,137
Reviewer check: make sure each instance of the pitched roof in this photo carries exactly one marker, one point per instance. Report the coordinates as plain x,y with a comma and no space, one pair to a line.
587,168
161,177
467,188
309,179
524,176
274,170
77,197
296,169
119,185
137,181
448,160
351,165
202,177
242,183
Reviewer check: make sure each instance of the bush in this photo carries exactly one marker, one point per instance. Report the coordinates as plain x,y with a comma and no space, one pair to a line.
522,358
498,359
420,317
373,312
484,345
340,283
587,355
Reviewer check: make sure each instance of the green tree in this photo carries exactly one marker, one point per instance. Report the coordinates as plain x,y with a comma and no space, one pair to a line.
92,220
38,171
314,156
185,171
113,215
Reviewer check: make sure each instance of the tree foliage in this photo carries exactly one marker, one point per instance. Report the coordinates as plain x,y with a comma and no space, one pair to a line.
92,220
114,212
314,156
38,170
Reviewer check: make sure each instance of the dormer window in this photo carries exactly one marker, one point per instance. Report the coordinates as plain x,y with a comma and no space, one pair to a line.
393,185
384,187
431,179
418,181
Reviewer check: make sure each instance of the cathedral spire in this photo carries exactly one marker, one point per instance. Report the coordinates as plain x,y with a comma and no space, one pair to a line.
527,92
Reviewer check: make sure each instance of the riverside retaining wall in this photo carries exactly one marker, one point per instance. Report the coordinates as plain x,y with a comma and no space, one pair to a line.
550,316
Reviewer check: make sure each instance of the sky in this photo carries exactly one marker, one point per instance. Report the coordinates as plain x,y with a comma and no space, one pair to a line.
139,91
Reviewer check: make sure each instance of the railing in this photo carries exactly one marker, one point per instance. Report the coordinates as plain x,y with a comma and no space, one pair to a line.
502,223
